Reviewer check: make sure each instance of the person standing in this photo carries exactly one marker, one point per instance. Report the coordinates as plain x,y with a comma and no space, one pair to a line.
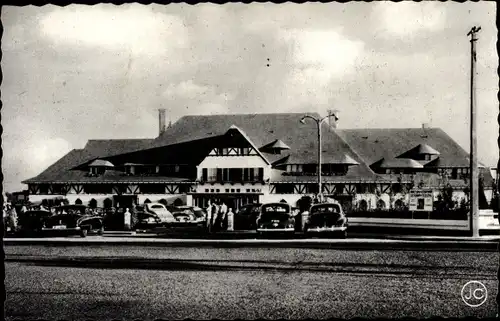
13,219
215,217
223,216
209,216
127,219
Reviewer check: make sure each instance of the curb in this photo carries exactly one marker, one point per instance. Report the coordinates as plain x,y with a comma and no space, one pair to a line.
352,244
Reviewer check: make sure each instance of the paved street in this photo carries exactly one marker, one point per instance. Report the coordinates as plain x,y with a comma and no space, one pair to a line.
148,282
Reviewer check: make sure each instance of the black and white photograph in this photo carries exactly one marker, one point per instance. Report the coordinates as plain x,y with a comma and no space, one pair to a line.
250,161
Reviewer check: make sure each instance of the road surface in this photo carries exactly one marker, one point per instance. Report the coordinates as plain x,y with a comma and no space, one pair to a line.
138,282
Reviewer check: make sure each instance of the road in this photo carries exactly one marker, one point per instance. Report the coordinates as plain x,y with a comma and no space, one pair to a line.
149,282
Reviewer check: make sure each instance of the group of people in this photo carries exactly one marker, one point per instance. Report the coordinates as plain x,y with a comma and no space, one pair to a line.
217,215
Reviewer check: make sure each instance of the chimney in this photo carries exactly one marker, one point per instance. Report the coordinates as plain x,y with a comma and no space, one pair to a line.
162,120
332,120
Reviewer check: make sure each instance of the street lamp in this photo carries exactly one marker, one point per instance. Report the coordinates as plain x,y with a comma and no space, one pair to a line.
318,121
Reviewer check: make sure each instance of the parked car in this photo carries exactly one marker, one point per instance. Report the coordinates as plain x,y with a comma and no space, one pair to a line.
326,219
276,218
188,220
246,218
161,212
72,219
30,222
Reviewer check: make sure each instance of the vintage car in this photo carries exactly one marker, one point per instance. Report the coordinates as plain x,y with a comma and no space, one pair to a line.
30,222
161,211
326,219
72,219
276,218
246,218
188,220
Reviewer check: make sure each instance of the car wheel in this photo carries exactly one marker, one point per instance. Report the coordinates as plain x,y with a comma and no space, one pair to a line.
84,232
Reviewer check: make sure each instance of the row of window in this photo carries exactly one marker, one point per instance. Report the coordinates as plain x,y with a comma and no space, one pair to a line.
326,169
232,190
58,189
232,174
339,188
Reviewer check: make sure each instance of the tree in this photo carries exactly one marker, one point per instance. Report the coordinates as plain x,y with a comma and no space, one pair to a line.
304,203
283,201
147,200
78,201
163,201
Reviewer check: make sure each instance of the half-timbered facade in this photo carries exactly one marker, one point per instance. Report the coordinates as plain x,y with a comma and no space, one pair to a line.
249,158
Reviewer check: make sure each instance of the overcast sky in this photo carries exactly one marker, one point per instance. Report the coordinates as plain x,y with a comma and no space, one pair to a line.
87,72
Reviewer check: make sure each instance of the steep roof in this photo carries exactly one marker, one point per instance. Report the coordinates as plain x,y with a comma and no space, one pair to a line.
264,128
373,144
276,144
93,149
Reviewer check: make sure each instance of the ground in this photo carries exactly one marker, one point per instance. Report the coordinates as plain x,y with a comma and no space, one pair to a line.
149,282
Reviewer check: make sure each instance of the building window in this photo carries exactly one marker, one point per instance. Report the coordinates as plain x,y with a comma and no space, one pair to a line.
363,205
227,190
177,168
248,190
312,188
232,190
207,190
380,205
427,157
245,151
237,190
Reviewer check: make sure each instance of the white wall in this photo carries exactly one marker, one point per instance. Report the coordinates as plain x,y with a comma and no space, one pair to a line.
253,161
222,187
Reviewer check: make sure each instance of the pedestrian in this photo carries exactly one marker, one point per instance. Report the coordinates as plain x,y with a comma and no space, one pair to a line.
209,216
215,217
222,213
13,219
127,219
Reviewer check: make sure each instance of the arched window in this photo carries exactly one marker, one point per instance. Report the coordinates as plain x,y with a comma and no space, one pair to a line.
178,202
147,200
283,201
108,203
78,201
363,205
381,204
399,204
93,203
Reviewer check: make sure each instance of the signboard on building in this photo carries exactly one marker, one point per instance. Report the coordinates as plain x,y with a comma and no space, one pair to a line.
421,201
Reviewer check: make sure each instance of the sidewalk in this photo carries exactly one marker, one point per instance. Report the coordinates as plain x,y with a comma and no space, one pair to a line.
251,235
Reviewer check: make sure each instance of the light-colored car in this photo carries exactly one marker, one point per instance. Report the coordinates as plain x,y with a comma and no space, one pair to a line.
161,211
325,219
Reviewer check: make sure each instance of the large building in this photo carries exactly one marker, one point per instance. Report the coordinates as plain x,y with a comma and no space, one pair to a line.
248,158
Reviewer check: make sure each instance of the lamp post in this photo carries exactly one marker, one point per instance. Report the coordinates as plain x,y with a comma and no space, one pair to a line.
318,121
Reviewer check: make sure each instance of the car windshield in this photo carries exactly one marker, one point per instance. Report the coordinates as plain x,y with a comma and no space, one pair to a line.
330,208
276,208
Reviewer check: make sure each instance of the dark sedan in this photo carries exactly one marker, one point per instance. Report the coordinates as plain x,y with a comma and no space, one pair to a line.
72,219
246,218
30,222
326,219
276,218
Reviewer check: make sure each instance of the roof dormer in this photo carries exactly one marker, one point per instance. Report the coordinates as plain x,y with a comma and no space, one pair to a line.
275,147
421,152
99,167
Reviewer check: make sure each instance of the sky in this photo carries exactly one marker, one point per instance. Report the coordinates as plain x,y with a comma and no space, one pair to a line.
99,72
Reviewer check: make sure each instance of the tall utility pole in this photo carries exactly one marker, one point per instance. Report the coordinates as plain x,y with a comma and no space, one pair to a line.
474,181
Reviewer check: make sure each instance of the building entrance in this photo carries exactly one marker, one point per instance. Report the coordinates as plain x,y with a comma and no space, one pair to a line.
233,201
